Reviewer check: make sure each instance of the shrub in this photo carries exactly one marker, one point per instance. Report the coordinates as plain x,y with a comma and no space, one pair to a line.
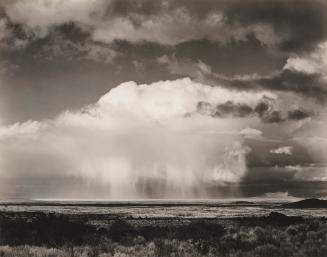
163,248
291,230
266,250
120,229
201,230
50,229
259,233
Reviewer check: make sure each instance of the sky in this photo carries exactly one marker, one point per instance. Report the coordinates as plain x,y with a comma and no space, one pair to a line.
130,99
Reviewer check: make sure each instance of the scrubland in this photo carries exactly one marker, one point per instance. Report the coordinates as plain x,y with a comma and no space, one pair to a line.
275,235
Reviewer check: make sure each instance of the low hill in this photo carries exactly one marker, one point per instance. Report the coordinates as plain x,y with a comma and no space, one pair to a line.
307,203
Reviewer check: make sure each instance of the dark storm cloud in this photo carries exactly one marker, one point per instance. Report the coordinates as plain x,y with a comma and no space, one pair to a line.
293,188
275,22
252,26
224,110
301,23
297,115
306,84
230,108
310,85
264,109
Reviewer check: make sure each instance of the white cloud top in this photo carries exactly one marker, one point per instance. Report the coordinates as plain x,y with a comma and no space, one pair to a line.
283,150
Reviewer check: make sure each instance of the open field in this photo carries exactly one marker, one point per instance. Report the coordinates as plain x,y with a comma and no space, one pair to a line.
188,209
155,229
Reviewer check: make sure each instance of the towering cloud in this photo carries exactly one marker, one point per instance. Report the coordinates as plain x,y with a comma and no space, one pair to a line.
135,135
138,136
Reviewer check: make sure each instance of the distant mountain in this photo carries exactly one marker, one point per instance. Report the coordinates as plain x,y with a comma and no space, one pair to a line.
307,203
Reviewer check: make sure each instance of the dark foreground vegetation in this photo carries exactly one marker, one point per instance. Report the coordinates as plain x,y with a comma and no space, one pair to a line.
53,235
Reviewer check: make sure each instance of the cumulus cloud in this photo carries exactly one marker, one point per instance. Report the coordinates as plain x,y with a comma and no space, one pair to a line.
142,140
250,132
302,65
16,130
283,150
300,29
312,63
181,98
134,135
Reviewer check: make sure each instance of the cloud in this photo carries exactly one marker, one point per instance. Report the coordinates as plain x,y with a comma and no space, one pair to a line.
300,29
194,69
174,22
4,32
312,135
250,132
310,173
283,150
40,16
149,140
293,167
180,98
302,65
285,80
314,62
60,47
16,130
8,40
105,25
309,85
134,136
174,27
169,27
298,114
279,195
266,108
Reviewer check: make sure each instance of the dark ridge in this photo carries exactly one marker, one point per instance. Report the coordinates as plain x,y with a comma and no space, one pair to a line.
307,203
243,202
273,219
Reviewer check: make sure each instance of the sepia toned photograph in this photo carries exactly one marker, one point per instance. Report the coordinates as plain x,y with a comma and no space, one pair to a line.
163,128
